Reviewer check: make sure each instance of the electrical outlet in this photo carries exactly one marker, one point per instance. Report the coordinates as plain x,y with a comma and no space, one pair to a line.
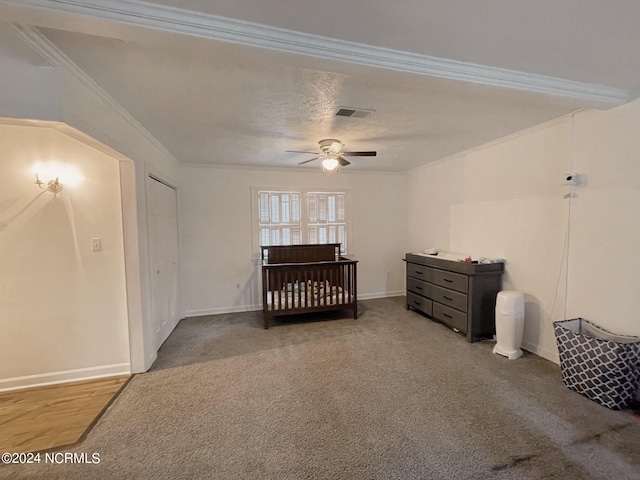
96,244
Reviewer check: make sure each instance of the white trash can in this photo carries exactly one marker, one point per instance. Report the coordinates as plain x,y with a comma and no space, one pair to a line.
509,324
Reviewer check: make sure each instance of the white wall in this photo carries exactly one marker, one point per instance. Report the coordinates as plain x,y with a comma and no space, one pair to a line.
65,94
90,110
604,255
28,91
63,310
506,200
215,213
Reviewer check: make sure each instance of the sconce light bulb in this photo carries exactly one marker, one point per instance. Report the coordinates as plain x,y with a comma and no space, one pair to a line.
54,186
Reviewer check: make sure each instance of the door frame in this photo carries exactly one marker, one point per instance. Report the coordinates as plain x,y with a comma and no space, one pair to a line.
133,175
152,300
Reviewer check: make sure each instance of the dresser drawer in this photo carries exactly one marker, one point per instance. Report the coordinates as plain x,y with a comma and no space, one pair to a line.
451,317
419,271
418,286
419,303
449,298
454,281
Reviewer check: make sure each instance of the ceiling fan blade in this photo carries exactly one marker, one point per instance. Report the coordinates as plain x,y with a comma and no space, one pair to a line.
300,151
342,161
310,160
359,154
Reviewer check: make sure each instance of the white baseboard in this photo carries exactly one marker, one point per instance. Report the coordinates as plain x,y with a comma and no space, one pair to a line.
552,356
370,296
221,310
53,378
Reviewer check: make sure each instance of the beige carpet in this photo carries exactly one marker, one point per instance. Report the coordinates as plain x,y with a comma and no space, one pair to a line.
390,395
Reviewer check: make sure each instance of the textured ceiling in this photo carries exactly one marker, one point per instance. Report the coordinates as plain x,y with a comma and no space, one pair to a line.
227,104
214,102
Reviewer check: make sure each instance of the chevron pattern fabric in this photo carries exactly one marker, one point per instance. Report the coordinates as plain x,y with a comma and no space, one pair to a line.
602,366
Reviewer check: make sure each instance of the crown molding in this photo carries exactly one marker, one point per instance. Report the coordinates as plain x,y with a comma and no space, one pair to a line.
34,39
177,20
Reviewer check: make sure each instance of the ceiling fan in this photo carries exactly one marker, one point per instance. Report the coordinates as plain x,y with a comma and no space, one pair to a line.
332,155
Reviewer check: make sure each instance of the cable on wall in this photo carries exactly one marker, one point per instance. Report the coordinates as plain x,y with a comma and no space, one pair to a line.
564,261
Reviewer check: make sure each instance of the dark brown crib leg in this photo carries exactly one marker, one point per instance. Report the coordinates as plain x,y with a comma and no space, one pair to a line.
267,318
355,311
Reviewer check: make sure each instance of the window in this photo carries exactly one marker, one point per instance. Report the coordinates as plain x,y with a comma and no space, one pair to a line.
293,217
327,218
279,218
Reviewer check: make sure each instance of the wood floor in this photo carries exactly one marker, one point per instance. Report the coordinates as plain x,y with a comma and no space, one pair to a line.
49,417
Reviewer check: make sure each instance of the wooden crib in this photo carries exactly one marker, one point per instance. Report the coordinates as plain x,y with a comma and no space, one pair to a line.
307,278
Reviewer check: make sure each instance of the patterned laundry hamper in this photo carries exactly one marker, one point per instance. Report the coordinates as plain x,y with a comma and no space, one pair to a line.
598,364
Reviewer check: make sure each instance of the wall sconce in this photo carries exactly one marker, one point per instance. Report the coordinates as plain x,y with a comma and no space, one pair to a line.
53,186
64,175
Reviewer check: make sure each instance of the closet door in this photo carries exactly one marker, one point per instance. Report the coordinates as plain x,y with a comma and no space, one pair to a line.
162,221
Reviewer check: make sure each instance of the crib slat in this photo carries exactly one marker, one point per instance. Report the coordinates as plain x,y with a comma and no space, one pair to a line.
310,279
319,278
265,287
343,269
346,287
324,283
287,282
351,283
345,283
306,276
279,287
355,292
316,285
299,287
348,284
300,271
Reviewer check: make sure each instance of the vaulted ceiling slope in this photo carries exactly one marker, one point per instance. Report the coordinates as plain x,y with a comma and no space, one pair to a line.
239,83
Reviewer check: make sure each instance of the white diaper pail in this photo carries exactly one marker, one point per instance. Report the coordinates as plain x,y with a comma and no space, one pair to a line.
509,324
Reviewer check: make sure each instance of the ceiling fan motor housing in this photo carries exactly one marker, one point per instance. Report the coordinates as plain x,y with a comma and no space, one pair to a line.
331,145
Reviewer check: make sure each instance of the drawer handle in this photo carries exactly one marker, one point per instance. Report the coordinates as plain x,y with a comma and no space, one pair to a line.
448,280
447,315
417,302
447,298
419,272
418,287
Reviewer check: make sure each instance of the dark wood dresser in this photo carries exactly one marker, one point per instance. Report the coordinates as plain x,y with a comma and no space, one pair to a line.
458,294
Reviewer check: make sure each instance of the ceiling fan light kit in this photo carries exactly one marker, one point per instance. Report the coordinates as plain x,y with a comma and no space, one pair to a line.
332,155
329,164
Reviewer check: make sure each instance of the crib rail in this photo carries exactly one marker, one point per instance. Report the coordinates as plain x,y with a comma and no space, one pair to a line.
291,288
305,253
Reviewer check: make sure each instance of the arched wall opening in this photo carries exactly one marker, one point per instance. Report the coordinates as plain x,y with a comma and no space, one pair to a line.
70,292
